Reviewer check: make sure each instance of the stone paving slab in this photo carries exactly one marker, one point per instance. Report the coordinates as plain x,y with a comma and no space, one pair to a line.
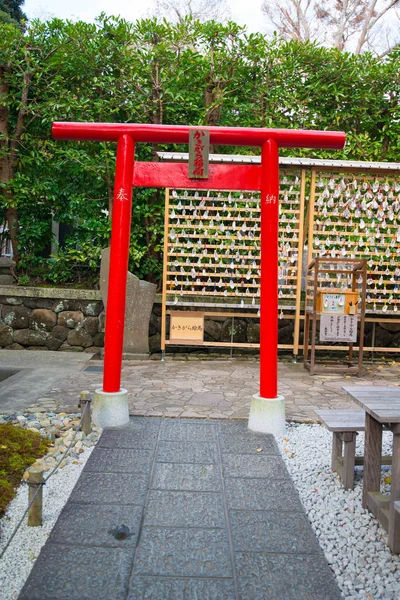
215,389
230,529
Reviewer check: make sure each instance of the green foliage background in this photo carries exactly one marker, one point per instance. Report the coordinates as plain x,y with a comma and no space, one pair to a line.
156,72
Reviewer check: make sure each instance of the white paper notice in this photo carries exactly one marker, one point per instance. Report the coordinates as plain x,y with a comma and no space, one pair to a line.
338,328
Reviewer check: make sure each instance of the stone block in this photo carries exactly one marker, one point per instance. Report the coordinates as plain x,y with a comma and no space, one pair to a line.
171,587
80,337
6,264
42,319
6,279
33,303
14,347
60,573
98,340
246,465
261,494
67,305
185,509
202,478
187,452
37,348
60,332
67,348
183,552
120,460
91,325
70,318
140,296
6,334
285,577
272,531
93,308
235,443
12,300
53,343
102,322
93,524
28,337
180,431
127,439
110,488
16,317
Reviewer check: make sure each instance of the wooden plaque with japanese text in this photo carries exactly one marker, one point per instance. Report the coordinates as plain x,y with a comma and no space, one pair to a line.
187,326
199,149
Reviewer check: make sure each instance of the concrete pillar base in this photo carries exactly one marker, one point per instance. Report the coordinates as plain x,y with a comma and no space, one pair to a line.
267,415
110,409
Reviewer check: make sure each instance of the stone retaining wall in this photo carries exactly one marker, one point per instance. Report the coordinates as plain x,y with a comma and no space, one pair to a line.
38,319
73,321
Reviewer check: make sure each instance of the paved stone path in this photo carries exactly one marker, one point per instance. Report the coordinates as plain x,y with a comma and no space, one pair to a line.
218,389
204,510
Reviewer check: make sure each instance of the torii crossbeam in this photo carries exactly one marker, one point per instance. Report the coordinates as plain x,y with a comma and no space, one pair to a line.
131,173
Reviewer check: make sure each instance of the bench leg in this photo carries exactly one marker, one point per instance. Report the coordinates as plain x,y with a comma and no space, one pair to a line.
349,458
336,450
372,458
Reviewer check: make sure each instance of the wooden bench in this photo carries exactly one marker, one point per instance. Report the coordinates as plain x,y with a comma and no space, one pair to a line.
344,425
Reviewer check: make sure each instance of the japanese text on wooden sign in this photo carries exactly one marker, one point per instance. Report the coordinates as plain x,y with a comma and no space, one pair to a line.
199,148
188,326
338,328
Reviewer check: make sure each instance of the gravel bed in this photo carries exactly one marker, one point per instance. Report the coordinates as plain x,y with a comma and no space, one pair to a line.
351,538
20,556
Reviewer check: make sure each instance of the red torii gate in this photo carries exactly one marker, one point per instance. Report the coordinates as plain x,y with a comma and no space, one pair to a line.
131,173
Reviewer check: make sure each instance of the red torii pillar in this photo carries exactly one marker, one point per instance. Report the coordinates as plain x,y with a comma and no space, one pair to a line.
265,178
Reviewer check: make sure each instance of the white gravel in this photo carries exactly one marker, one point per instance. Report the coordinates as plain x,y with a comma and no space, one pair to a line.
26,545
351,538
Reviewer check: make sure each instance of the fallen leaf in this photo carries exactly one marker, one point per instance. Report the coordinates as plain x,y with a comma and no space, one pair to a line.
291,455
259,449
387,480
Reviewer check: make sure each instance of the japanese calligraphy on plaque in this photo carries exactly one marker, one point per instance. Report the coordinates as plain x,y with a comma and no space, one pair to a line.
199,148
187,326
338,328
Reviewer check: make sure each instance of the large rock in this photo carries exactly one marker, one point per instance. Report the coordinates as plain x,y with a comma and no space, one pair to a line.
102,322
392,327
212,331
70,318
38,302
80,337
6,335
43,319
285,334
28,337
16,317
155,343
239,331
140,296
67,348
253,333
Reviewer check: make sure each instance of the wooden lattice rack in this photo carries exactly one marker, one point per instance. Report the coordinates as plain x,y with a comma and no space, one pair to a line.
352,210
212,249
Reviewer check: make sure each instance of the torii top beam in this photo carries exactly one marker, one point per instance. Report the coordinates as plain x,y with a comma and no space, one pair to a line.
179,134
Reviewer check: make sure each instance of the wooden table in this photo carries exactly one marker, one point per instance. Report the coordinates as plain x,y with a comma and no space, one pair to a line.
382,408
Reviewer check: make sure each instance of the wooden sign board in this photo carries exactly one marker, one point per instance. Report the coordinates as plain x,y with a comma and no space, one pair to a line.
187,327
199,150
338,328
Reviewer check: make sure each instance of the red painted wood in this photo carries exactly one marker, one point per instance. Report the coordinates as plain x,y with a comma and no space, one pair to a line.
175,175
269,270
118,273
178,134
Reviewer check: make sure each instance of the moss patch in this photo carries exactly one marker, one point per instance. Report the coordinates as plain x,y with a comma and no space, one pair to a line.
19,449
